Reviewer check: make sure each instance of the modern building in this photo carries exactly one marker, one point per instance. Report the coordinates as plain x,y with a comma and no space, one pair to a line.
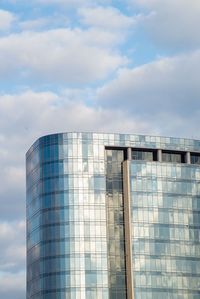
113,216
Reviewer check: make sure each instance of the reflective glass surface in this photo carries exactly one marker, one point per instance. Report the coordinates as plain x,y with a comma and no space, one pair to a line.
166,230
195,158
173,157
75,217
143,155
66,219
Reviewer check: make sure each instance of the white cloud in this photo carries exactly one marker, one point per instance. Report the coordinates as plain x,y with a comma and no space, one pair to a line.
12,281
12,285
165,93
38,113
109,18
74,3
62,55
103,38
56,20
34,24
6,20
12,250
173,24
62,2
12,259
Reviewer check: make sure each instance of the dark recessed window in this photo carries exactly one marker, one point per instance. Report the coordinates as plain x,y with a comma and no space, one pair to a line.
195,158
173,157
147,155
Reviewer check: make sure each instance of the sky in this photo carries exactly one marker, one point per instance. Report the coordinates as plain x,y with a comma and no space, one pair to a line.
129,66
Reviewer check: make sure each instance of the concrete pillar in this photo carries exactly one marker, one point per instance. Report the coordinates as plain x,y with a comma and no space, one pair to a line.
129,155
128,229
188,158
159,155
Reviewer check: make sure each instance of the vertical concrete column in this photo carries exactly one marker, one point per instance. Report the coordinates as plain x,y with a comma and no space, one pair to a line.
188,158
128,229
159,155
129,155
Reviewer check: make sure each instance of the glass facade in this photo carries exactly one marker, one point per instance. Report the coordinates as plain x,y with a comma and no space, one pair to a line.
75,217
166,234
66,228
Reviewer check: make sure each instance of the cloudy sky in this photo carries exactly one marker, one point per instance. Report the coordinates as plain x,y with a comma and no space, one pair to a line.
65,65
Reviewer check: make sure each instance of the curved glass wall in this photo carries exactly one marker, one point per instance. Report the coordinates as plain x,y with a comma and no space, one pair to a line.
66,220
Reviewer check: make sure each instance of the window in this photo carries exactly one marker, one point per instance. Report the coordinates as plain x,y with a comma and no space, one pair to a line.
173,157
144,154
195,158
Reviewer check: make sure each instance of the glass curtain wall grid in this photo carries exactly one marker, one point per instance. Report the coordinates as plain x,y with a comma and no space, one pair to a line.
113,216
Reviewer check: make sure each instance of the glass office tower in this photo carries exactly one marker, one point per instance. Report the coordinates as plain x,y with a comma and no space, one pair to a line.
113,216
